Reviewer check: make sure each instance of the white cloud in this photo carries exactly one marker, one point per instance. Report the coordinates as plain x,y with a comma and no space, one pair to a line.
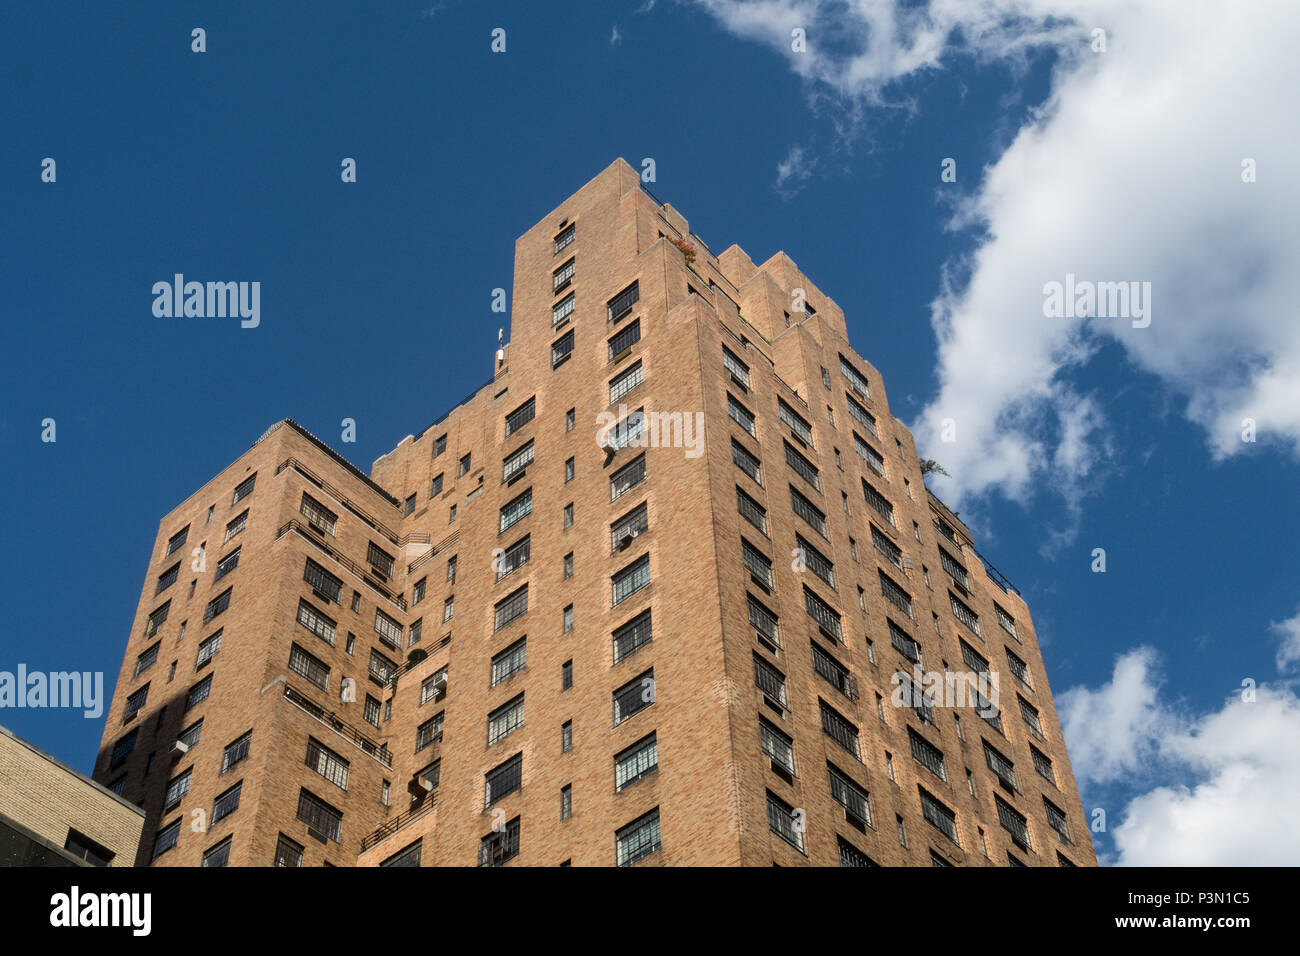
792,173
1131,170
615,36
1288,651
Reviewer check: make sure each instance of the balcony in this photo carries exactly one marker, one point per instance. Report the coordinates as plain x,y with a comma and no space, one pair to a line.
338,496
365,574
337,724
398,822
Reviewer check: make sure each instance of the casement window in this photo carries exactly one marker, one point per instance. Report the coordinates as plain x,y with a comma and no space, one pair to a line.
1006,621
218,855
760,567
409,506
309,666
914,696
216,605
514,557
389,630
888,550
782,821
506,718
508,662
380,561
904,643
956,570
407,856
146,659
833,672
502,780
862,416
563,276
243,489
854,800
1014,822
635,762
316,622
516,510
415,632
561,349
778,745
765,623
817,562
177,541
827,618
177,788
938,815
327,763
370,713
796,422
627,528
624,382
428,732
168,578
802,466
521,416
771,682
1019,669
564,237
624,339
963,613
156,619
236,752
638,839
738,369
1056,819
634,696
382,669
745,461
839,728
895,595
135,703
973,658
751,510
510,608
851,855
198,693
190,735
121,750
499,847
1002,768
435,486
514,463
1029,713
317,515
856,378
627,477
287,852
622,303
808,511
631,579
882,505
632,636
417,592
562,309
875,461
167,838
227,564
319,816
742,416
1043,764
927,754
626,431
208,648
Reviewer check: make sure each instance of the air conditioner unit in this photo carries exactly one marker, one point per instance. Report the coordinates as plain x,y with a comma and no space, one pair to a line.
180,747
425,783
625,541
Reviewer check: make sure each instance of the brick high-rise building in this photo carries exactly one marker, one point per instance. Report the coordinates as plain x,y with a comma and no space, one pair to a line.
530,638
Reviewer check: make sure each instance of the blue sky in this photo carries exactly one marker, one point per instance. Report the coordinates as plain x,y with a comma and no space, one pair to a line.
225,165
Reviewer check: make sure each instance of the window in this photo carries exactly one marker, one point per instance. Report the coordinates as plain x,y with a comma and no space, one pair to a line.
913,695
316,622
439,445
566,736
632,636
566,675
783,821
198,693
854,800
227,802
1019,669
627,528
622,303
896,595
751,510
625,432
243,489
817,562
389,631
795,422
428,732
956,570
514,463
216,605
1014,822
627,337
451,515
760,568
827,618
177,788
510,608
1029,713
778,745
839,728
564,237
904,643
888,550
566,802
506,718
635,762
833,672
638,839
856,378
317,515
503,780
562,277
435,486
514,557
741,416
219,855
121,750
738,369
382,669
1043,764
516,509
167,838
521,416
156,619
624,382
568,619
191,734
312,668
562,309
1056,819
879,502
509,661
964,613
371,711
570,420
319,816
407,856
499,847
808,511
568,470
938,815
927,754
177,541
1006,621
631,579
168,578
745,461
287,852
147,659
464,465
634,696
851,855
627,477
875,461
409,505
327,763
862,416
236,752
771,682
802,466
764,622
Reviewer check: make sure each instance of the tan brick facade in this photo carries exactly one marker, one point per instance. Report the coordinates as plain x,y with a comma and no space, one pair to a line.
714,786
